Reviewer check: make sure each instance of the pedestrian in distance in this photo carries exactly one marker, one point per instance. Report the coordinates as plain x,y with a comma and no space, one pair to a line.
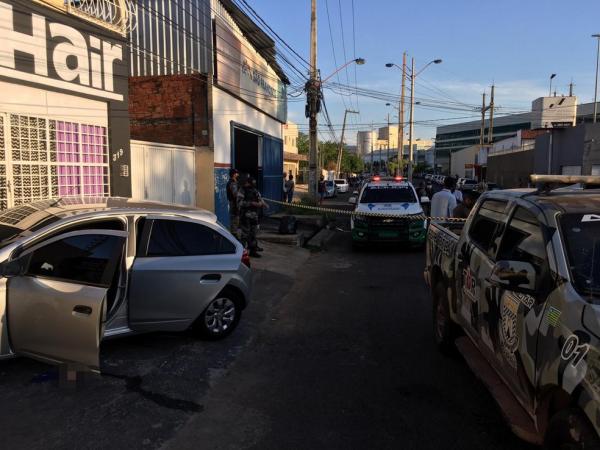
463,210
232,192
321,189
289,188
250,203
444,201
284,188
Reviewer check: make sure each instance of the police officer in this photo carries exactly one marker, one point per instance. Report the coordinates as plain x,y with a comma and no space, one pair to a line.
249,204
232,191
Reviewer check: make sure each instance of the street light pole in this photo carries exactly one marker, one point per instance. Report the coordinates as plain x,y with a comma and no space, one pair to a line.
597,36
412,75
551,78
338,166
401,116
411,126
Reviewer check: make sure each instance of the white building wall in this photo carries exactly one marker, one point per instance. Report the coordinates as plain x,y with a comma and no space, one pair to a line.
462,157
228,109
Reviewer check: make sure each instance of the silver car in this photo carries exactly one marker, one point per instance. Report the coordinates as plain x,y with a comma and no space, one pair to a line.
76,271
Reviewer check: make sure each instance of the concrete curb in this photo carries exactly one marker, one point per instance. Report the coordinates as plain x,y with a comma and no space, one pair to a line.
320,240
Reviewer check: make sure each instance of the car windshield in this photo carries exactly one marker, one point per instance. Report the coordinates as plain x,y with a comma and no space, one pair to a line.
581,234
388,194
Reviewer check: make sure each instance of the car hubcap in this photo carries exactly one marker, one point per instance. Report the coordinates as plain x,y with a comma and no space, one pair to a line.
220,314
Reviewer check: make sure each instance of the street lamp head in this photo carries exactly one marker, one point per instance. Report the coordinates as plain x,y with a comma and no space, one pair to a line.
359,61
596,35
388,104
389,65
437,61
552,76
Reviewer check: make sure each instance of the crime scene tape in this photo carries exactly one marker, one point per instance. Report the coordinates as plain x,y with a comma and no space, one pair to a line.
344,212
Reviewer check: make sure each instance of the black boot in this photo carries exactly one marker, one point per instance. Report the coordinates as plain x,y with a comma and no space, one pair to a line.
255,254
259,249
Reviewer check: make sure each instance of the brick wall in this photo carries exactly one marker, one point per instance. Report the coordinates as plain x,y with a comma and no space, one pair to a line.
169,109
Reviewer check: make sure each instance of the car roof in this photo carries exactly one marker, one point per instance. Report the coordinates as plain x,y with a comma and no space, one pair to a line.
45,211
563,200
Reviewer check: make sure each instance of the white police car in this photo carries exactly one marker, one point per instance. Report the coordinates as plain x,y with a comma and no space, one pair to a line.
394,198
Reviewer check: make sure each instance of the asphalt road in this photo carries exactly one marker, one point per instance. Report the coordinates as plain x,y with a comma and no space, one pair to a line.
339,355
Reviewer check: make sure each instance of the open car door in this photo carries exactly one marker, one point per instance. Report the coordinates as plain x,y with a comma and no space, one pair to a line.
56,296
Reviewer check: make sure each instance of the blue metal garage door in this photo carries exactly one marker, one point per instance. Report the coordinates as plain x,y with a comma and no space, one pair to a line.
272,168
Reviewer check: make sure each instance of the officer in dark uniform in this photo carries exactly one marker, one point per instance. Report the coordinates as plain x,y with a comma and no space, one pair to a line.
249,204
232,191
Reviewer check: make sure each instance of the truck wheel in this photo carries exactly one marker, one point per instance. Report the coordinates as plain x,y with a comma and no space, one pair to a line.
444,329
570,429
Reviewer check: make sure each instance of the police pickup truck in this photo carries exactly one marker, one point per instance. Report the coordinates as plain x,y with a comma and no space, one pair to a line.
517,291
383,210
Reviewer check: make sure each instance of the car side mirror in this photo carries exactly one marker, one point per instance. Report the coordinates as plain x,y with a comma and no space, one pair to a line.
352,200
14,267
514,275
425,199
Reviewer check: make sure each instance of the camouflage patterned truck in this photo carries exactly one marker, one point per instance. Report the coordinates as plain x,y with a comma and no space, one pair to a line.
516,291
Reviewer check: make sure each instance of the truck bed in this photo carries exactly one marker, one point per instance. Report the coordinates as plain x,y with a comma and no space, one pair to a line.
442,239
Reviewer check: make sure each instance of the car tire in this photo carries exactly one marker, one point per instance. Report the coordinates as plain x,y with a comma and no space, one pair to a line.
220,317
571,429
444,329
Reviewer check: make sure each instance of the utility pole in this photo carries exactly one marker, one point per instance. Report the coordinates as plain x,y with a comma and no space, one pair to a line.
313,103
491,107
482,130
387,157
597,36
338,166
371,139
401,117
571,89
411,127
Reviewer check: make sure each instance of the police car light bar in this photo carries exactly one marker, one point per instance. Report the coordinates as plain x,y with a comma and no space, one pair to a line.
565,179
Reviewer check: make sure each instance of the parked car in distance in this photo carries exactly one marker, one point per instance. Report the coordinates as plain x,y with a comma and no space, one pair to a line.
341,185
330,189
77,271
468,184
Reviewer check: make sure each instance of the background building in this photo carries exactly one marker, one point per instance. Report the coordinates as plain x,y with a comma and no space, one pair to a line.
227,102
291,158
64,126
546,112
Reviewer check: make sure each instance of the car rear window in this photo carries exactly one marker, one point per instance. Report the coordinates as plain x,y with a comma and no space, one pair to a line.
388,194
340,181
180,238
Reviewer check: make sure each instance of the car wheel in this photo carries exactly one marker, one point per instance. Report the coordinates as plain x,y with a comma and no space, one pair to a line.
570,429
220,317
444,328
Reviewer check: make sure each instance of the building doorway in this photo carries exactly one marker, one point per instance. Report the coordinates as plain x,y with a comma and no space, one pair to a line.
246,152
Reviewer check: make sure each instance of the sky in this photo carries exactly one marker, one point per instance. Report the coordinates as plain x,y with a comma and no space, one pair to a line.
514,44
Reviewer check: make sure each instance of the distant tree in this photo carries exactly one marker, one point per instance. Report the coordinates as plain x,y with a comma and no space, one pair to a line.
302,143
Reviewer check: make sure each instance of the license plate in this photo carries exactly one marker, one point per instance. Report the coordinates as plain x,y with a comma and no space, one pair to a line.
388,234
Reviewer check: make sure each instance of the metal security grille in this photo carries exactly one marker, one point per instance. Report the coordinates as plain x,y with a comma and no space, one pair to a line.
46,158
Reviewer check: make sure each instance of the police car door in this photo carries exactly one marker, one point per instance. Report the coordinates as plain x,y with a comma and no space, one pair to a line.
475,262
518,285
